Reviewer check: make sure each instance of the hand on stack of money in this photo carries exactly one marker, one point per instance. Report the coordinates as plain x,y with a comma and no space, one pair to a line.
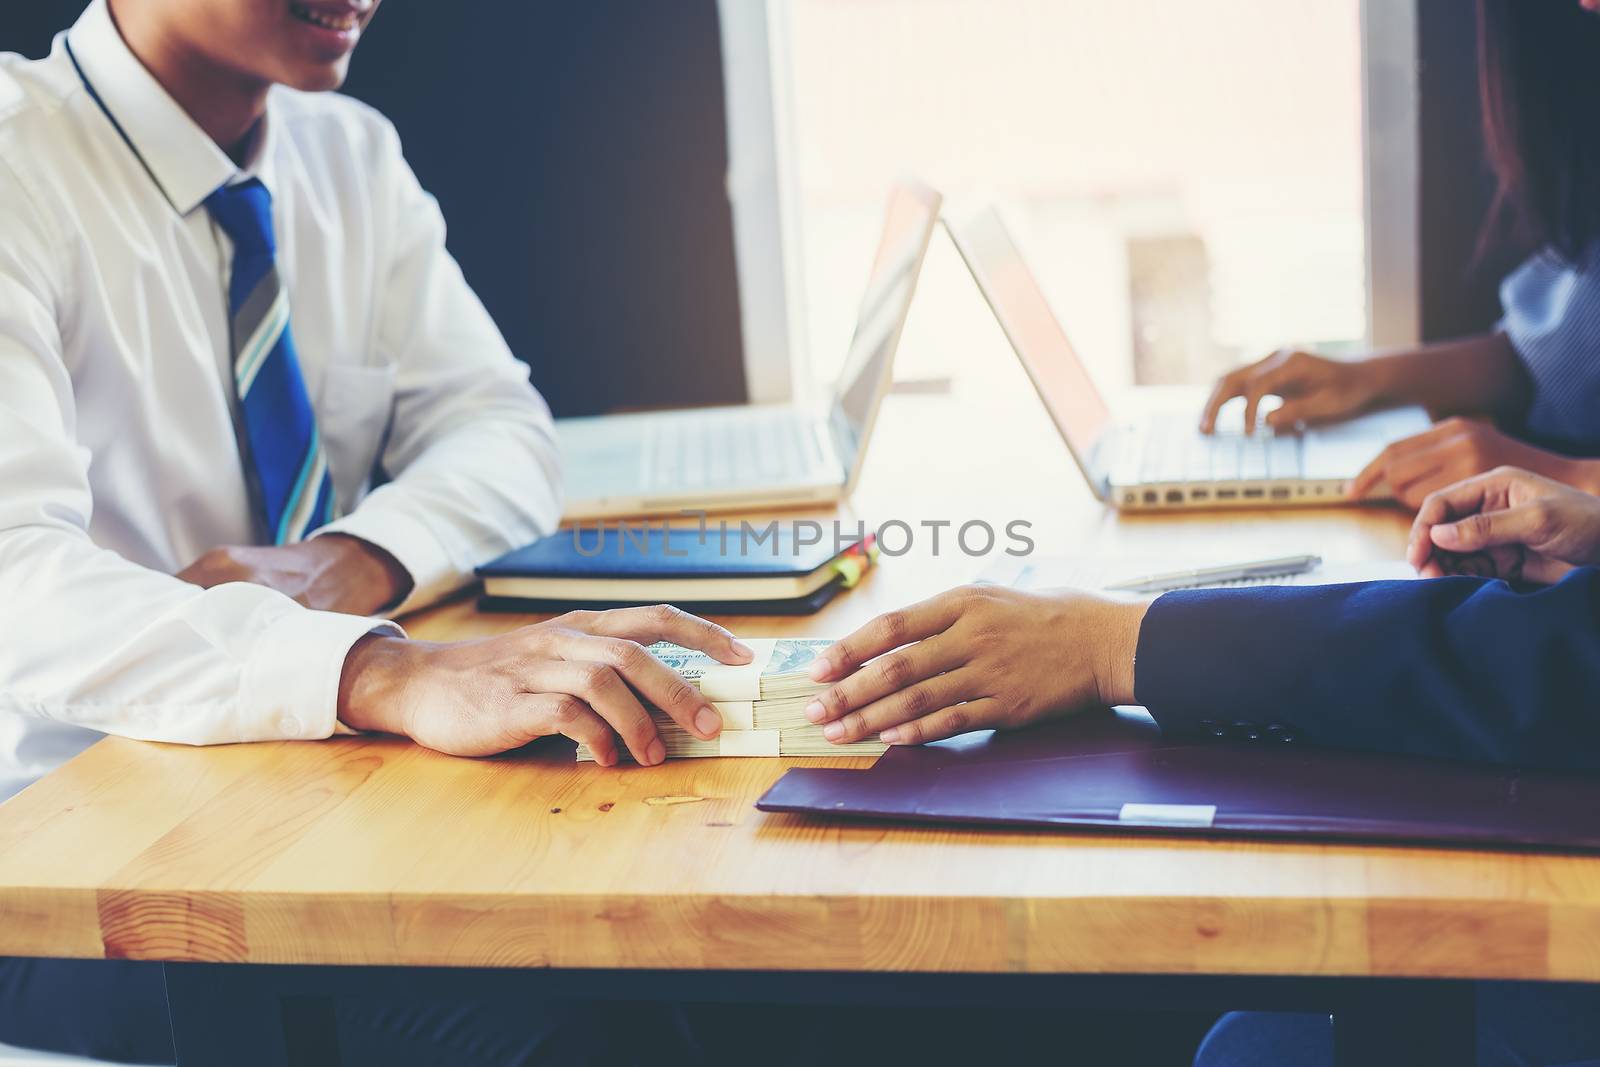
762,704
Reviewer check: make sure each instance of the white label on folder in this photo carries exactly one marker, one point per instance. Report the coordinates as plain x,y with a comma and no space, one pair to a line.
722,682
749,742
1168,814
736,714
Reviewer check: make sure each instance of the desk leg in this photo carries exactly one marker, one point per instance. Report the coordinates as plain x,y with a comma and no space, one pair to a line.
1406,1024
223,1013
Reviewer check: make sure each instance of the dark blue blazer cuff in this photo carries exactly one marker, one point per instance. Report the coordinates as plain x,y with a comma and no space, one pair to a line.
1455,668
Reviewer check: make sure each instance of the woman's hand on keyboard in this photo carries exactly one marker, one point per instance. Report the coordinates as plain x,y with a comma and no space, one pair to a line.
1509,524
1314,390
976,657
1452,451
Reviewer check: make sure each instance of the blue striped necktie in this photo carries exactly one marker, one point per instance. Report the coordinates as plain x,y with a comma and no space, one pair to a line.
285,450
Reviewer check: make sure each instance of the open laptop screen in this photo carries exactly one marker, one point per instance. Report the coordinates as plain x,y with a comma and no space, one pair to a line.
907,227
1063,383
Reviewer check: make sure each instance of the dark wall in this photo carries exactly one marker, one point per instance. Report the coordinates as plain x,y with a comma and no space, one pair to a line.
27,26
579,152
578,149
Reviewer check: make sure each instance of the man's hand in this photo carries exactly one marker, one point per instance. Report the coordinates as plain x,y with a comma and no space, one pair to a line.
1454,450
975,657
1506,524
581,675
334,572
1314,390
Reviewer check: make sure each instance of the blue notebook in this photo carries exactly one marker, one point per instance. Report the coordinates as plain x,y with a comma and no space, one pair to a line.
703,572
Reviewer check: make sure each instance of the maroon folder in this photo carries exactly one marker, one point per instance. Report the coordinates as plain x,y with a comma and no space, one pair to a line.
1117,772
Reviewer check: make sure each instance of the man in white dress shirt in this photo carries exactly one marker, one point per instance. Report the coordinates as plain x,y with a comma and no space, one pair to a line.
225,303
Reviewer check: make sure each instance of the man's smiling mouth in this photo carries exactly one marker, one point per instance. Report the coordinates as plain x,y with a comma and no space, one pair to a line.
345,20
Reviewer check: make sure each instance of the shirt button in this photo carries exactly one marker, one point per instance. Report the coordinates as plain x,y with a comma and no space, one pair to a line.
289,726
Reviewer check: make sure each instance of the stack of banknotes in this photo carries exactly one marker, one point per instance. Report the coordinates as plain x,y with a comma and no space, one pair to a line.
762,704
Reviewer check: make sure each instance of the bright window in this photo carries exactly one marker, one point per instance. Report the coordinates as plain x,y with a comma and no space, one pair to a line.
1185,178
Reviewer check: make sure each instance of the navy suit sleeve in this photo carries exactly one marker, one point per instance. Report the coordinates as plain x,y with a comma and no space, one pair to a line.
1455,667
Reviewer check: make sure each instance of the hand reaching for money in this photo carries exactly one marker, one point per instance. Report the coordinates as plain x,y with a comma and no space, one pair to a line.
761,703
1506,524
975,657
584,674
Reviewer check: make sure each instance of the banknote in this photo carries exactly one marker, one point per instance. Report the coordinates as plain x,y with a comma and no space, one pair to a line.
778,669
762,703
769,743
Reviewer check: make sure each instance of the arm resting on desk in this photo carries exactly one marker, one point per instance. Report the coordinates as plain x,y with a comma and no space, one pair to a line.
89,637
1457,667
471,448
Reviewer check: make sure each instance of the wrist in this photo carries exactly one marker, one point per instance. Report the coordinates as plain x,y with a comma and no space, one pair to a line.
1114,670
1392,381
1581,474
376,579
372,685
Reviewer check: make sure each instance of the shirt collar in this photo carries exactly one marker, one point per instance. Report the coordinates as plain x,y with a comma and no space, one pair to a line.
185,163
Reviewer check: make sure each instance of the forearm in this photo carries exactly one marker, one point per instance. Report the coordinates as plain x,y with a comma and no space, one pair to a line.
1579,473
1478,375
330,573
91,639
1455,668
366,578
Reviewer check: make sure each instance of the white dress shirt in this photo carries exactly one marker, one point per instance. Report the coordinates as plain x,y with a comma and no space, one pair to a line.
119,463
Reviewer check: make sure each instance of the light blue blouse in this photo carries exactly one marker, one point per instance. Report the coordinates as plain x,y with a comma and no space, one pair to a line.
1552,317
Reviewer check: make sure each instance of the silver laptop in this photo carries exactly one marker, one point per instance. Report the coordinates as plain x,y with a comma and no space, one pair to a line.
1158,458
759,455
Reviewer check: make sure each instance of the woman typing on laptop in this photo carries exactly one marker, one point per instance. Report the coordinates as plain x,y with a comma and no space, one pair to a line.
1535,375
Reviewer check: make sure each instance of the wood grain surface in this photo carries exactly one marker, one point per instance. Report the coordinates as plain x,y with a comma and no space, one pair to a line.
371,850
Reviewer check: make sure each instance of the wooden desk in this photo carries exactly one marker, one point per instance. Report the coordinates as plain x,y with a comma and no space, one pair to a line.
374,852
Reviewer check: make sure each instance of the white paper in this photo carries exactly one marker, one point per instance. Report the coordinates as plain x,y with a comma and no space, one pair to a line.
721,682
1168,814
749,742
736,714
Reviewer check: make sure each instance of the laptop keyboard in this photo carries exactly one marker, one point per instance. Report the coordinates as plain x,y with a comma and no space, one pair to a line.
1173,451
731,450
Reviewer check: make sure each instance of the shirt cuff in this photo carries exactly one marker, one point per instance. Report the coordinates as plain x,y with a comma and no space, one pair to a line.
412,543
290,687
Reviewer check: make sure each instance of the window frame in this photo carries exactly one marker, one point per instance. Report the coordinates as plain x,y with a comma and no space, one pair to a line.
772,297
1392,168
766,212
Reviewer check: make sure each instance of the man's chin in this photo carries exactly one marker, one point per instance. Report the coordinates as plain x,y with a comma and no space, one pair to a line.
318,77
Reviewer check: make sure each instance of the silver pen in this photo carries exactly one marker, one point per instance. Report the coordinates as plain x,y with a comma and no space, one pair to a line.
1228,572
